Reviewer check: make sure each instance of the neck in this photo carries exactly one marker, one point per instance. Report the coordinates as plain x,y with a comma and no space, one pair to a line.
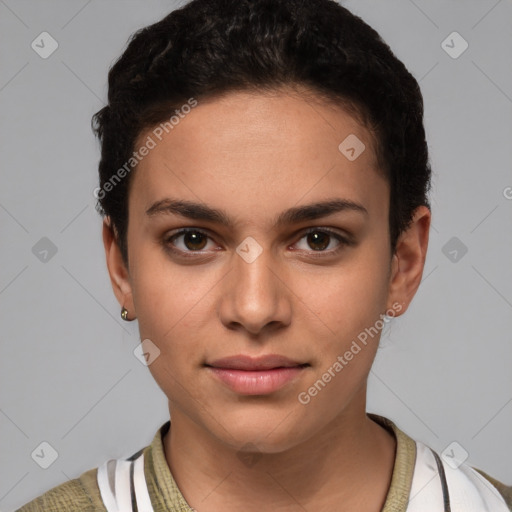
350,462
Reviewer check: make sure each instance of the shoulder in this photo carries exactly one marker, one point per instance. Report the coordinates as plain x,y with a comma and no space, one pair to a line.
468,488
78,495
83,494
504,490
423,479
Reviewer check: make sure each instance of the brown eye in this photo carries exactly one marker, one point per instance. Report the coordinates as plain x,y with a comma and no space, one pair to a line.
323,241
194,240
188,241
318,240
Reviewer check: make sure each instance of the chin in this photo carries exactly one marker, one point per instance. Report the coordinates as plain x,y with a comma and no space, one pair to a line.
271,429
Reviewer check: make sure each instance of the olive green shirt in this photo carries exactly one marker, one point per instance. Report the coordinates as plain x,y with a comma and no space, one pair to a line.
83,495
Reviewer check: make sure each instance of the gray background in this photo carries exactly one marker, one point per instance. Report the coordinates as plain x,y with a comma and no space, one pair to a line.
68,373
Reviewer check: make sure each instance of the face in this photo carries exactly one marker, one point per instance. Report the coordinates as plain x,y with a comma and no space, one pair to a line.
258,287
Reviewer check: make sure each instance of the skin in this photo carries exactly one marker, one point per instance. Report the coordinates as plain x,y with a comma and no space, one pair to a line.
255,155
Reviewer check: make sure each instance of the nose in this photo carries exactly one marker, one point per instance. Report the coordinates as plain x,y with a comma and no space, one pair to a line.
255,297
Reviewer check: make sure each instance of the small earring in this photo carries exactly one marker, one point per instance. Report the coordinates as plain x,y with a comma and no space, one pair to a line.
124,314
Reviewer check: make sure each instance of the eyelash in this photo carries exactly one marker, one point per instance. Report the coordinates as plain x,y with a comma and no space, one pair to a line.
343,242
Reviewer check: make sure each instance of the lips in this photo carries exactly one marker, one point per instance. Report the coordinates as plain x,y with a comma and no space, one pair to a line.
247,363
256,376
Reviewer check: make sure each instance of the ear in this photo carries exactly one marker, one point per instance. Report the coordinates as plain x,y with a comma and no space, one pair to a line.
408,261
119,275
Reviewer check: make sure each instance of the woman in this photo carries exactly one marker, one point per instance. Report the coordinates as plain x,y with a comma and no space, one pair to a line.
264,183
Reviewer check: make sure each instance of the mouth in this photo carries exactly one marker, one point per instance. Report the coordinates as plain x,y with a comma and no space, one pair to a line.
256,376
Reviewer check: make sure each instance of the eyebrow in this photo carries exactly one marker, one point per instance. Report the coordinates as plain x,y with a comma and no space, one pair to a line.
295,215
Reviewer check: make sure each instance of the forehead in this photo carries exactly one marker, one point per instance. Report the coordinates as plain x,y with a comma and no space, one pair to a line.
257,152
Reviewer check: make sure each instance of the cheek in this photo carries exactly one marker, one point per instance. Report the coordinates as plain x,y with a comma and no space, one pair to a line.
173,307
166,307
350,308
348,299
161,290
170,311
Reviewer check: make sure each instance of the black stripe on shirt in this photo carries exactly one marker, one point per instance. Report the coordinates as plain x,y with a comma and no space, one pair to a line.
135,455
132,488
444,484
